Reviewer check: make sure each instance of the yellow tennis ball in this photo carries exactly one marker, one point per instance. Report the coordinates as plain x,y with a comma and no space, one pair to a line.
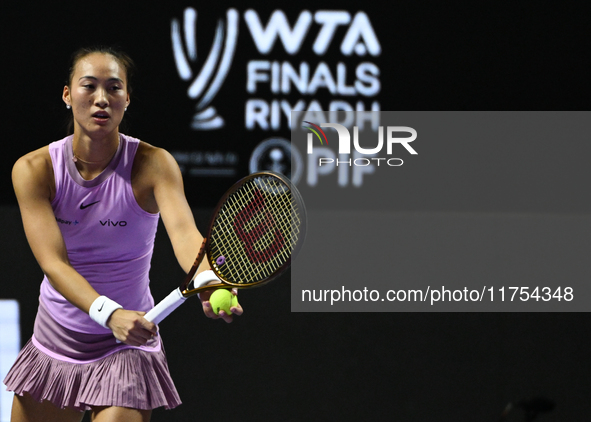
222,299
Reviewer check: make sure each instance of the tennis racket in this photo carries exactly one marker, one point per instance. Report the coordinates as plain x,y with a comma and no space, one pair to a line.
257,228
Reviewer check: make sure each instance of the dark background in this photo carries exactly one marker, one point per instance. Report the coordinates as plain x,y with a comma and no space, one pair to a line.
271,364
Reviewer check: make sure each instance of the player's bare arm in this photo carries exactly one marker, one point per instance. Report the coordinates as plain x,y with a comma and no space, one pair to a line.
158,187
33,181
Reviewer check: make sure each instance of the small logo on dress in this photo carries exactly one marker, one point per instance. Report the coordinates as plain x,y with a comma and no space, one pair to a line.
82,206
109,222
68,222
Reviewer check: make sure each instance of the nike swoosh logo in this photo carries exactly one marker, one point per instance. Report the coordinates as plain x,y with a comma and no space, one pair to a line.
82,206
101,308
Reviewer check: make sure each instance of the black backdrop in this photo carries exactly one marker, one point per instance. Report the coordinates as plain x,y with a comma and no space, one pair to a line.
272,364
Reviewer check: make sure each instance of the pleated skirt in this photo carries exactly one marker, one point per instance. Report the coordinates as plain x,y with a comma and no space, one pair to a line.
128,378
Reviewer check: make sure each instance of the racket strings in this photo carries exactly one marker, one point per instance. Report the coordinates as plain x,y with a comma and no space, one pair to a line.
225,243
235,269
256,231
254,205
281,207
264,225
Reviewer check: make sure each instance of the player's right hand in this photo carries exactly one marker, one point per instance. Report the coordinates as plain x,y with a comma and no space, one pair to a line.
130,327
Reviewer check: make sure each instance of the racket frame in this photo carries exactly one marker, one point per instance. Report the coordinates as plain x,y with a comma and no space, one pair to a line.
188,291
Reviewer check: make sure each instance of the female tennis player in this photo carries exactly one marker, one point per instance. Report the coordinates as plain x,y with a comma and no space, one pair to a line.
90,205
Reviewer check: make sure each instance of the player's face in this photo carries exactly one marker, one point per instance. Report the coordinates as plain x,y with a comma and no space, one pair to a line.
98,94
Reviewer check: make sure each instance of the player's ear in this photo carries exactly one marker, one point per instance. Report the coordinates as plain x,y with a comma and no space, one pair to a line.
66,96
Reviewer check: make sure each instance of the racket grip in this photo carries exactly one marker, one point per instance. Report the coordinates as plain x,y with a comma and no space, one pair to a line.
165,307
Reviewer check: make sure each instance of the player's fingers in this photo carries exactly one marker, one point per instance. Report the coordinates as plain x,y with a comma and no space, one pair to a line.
223,315
119,337
134,340
236,309
205,295
148,326
208,310
140,334
128,338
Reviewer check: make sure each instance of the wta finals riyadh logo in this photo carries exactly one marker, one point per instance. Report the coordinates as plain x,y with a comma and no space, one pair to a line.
207,82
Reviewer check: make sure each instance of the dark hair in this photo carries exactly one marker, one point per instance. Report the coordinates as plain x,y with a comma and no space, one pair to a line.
122,58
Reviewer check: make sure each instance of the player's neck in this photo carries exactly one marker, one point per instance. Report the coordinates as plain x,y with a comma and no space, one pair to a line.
93,154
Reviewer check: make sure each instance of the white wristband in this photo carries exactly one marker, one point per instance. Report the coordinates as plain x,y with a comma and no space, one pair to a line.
205,277
101,309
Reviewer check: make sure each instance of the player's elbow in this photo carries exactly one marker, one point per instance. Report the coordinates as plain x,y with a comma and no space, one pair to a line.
53,269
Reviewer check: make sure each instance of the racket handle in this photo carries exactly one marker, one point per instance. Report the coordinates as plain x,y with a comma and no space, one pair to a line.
165,307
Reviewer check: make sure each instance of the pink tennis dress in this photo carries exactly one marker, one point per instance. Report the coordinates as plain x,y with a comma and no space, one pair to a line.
71,360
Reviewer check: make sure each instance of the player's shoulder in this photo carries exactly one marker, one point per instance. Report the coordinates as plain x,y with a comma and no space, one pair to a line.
153,160
32,175
153,154
36,163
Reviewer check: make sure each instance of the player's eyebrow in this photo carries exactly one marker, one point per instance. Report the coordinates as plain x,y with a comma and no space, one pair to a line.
96,79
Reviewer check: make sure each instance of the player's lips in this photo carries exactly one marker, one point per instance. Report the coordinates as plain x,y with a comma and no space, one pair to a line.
101,116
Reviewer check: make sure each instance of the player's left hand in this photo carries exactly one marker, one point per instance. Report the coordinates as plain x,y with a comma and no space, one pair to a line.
208,310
